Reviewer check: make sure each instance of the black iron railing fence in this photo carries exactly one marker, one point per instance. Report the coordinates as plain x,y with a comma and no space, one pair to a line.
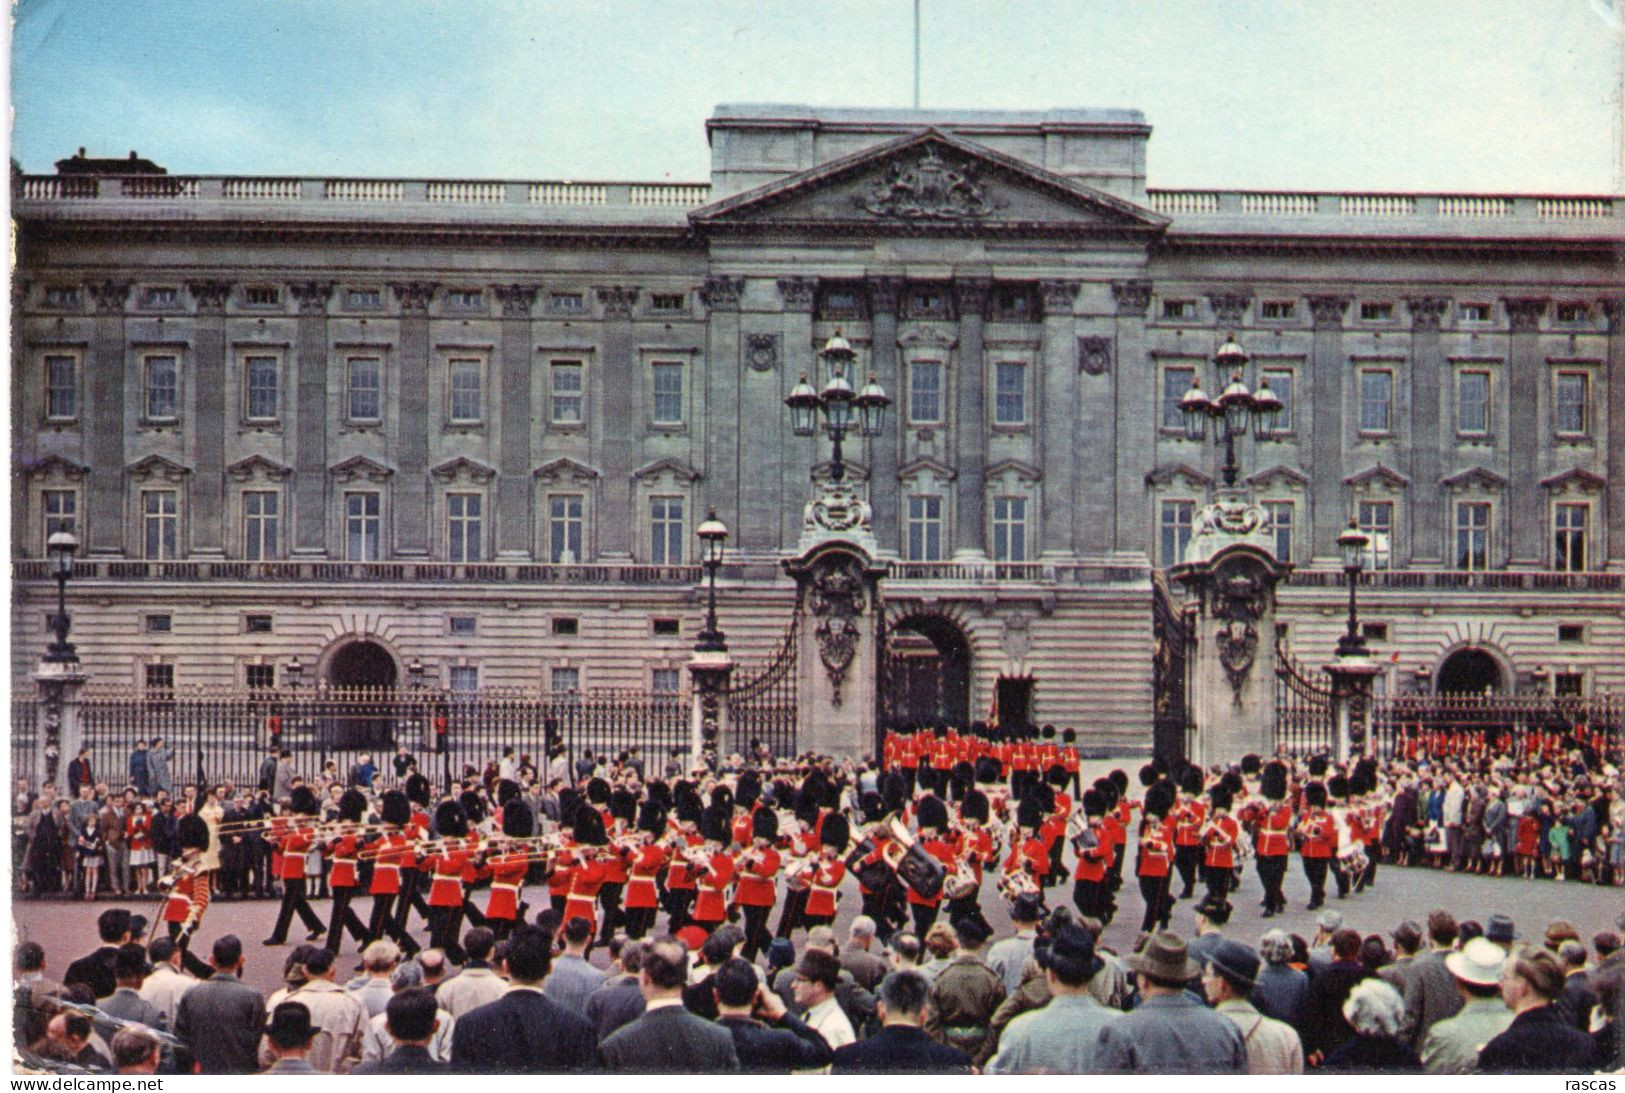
763,705
1493,724
1305,722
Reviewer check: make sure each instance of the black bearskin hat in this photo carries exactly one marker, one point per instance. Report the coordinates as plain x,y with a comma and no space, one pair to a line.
660,794
598,791
749,791
974,806
1338,786
1368,767
304,801
1149,775
1119,779
963,776
518,821
570,803
1232,781
685,793
933,813
1358,786
1057,776
874,808
394,808
783,792
417,790
831,795
688,809
836,832
1159,799
1314,795
894,789
192,832
623,805
1251,764
1030,813
588,827
449,820
764,824
715,824
1272,782
352,805
1069,735
1317,766
806,811
987,769
1093,803
1045,795
1190,782
1221,797
473,806
507,790
1108,791
652,818
1049,732
722,797
813,790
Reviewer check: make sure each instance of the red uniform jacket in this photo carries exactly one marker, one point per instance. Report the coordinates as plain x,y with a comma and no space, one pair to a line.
295,844
447,867
944,854
1220,840
825,881
711,905
1156,848
756,878
343,850
640,884
1092,864
1319,834
1188,817
1273,831
507,873
585,880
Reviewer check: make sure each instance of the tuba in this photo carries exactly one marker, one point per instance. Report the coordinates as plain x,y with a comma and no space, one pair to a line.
919,870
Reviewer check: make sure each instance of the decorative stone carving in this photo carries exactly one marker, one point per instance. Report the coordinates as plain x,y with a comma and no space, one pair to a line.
109,296
1229,307
1133,297
762,352
1094,354
931,188
414,296
358,468
1328,310
210,296
463,467
971,295
516,300
837,598
1524,313
566,470
312,296
722,293
798,292
836,507
1427,311
1056,297
884,293
156,467
618,301
1238,604
259,467
1016,637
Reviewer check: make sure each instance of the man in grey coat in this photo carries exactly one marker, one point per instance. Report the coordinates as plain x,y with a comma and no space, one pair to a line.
1430,989
222,1017
1171,1032
668,1038
158,762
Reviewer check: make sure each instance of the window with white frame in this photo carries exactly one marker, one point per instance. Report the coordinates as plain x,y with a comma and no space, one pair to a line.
1473,535
1283,386
568,389
61,387
1009,529
465,523
364,299
1472,402
666,530
465,299
1010,393
1569,523
667,407
1174,527
1179,309
564,682
260,376
364,381
463,678
922,532
924,392
1376,311
570,302
262,296
161,296
465,382
1376,520
1376,400
62,296
259,677
1571,312
666,681
1176,380
362,526
61,510
1281,524
1277,310
565,522
1570,400
162,386
262,518
160,524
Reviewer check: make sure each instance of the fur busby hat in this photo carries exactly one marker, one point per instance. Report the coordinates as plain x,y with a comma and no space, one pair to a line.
1057,776
192,832
1338,786
598,791
722,797
507,790
518,821
715,824
1221,797
874,808
749,790
569,803
1317,766
813,789
1272,781
1368,767
623,805
836,832
764,824
1109,793
473,807
1149,775
1233,782
417,790
1314,795
1190,782
304,802
1358,785
987,770
450,822
894,790
1093,803
1045,795
1159,799
1069,735
963,774
1250,764
688,809
1119,779
1049,732
394,808
933,813
806,812
660,793
974,806
588,827
685,791
1030,813
352,805
652,818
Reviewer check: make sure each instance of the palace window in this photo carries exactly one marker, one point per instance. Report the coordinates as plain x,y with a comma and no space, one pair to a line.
567,392
162,387
1282,385
567,302
262,296
463,625
666,301
62,296
1472,403
1571,633
1569,684
61,508
464,526
465,299
364,299
160,678
1280,513
362,526
259,677
924,392
260,376
1572,313
159,624
667,628
1570,409
564,527
161,296
1376,311
1175,530
666,530
262,511
1179,309
1376,400
1472,535
1010,393
566,627
161,524
1376,520
923,529
1013,303
256,624
668,393
463,678
565,682
666,681
1176,380
1009,529
1474,313
467,375
365,382
1569,520
61,387
1277,310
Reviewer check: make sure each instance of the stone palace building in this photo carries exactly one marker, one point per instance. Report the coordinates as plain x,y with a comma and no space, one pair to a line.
461,432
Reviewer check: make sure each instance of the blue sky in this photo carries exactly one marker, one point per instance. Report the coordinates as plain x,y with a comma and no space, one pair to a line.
1492,95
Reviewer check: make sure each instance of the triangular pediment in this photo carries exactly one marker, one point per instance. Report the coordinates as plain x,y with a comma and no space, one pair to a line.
1575,480
670,465
926,465
1279,473
850,468
1480,478
565,469
463,467
1379,476
1176,472
929,181
358,468
54,466
1019,468
156,466
258,466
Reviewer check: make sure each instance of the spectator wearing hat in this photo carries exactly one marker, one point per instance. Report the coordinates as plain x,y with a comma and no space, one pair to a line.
1501,930
817,975
1280,990
1171,1032
1538,1040
289,1035
1229,978
1376,1014
1324,1027
1452,1045
340,1022
1009,956
965,995
901,1046
1431,994
1212,915
1062,1036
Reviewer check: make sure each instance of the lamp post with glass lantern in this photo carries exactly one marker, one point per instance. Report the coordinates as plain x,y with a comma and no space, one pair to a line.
1233,411
1352,671
713,533
710,666
1351,545
60,549
59,677
838,403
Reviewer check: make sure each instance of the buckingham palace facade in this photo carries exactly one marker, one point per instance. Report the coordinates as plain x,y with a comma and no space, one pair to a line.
464,430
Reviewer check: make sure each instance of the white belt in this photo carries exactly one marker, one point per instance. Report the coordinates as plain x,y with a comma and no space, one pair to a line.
507,887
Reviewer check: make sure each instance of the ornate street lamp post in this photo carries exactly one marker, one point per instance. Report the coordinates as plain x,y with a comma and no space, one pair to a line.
713,534
60,548
710,667
838,403
1352,671
1351,545
1233,411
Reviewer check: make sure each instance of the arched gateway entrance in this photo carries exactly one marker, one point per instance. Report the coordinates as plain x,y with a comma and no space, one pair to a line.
928,666
1471,672
361,676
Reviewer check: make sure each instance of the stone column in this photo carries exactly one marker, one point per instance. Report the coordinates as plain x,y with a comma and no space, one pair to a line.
722,420
1327,365
623,410
514,399
798,295
1233,676
885,492
1062,426
768,481
1428,375
59,730
838,648
970,419
1613,418
708,672
410,500
208,509
104,414
310,430
1526,504
1135,387
1351,705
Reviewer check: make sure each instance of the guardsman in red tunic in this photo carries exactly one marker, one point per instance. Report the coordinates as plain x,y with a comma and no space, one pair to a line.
975,850
623,817
344,878
711,907
189,898
642,881
295,844
414,881
1274,838
1070,760
933,839
1154,866
587,875
446,864
1318,834
801,850
1189,816
507,868
681,883
1372,815
758,874
392,854
1220,834
824,876
1093,852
